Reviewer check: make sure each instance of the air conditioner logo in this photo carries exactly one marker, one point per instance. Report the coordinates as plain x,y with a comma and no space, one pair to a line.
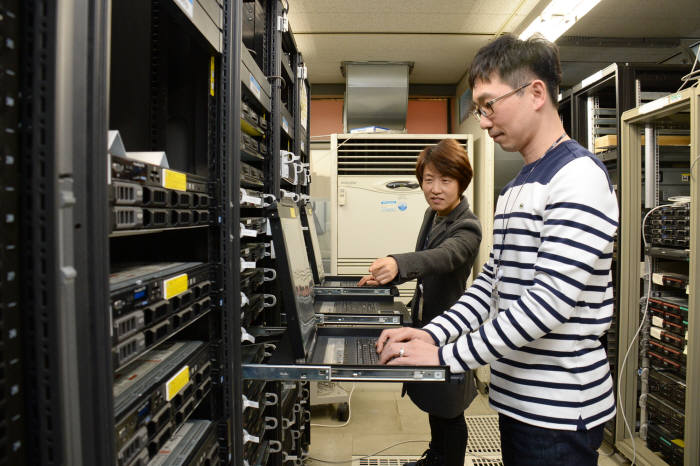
392,206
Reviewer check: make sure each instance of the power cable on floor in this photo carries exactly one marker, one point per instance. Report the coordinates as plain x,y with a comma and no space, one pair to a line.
349,412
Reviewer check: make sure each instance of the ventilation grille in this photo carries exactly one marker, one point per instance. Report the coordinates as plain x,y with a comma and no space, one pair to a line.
376,156
401,460
484,435
483,446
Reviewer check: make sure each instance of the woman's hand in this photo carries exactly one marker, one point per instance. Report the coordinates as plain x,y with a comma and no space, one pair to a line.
384,270
368,280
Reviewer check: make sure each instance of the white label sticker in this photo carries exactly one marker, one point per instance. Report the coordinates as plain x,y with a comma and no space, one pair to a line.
388,206
658,321
187,6
657,279
255,87
655,332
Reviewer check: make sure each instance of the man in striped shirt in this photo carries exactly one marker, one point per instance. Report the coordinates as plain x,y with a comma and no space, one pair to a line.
544,298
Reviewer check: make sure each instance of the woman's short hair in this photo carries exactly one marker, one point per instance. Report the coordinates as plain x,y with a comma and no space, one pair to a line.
449,158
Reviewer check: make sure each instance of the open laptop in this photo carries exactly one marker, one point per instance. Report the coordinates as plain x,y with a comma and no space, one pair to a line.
364,308
348,350
341,286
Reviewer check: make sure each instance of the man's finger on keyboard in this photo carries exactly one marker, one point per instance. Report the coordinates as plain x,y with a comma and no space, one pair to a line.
384,337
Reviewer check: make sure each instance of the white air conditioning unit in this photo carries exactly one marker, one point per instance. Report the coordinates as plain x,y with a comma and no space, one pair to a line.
376,205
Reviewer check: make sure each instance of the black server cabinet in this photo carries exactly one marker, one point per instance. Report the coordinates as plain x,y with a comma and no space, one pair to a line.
170,92
62,79
594,108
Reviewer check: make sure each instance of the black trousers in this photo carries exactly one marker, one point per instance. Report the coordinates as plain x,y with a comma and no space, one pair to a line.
449,438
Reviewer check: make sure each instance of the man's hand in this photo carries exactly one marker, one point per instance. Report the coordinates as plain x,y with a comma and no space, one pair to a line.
407,346
384,270
368,280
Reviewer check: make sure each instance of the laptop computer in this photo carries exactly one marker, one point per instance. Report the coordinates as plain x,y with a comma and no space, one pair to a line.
340,286
349,351
348,305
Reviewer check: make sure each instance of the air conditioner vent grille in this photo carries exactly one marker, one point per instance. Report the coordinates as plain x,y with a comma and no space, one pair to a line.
391,156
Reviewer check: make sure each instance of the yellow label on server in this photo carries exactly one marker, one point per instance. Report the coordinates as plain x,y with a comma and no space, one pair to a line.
293,212
174,180
176,382
211,77
174,286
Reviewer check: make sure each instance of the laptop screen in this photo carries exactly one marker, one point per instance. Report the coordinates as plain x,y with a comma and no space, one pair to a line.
301,278
315,249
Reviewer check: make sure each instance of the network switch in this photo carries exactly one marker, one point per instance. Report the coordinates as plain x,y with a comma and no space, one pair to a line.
146,394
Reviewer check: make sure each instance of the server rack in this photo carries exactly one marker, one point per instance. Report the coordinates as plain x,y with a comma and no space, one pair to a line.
181,81
592,109
270,84
660,377
168,90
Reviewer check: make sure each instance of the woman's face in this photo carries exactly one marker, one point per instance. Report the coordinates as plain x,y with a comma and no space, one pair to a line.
441,191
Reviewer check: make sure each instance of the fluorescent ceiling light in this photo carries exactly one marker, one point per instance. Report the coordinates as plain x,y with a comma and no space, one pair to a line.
558,17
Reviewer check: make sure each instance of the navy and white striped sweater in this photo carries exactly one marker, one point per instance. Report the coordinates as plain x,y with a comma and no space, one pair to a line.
548,367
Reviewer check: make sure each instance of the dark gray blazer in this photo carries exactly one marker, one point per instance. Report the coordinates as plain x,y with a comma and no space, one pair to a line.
442,266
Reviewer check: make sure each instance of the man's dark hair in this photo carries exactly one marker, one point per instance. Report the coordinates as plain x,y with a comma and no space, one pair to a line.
517,61
449,158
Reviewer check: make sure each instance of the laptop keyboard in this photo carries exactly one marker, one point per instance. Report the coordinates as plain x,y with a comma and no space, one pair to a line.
366,351
361,307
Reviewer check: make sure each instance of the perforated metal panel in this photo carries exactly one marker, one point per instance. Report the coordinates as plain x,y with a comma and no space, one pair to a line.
484,436
483,446
401,460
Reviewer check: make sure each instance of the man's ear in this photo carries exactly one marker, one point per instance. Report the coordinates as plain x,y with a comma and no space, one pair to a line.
539,93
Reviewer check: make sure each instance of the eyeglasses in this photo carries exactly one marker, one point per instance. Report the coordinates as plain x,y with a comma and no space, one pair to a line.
487,109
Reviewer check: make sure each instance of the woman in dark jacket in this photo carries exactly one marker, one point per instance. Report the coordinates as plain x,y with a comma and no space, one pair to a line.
447,245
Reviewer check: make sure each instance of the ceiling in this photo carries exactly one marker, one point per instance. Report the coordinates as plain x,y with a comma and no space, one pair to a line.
442,36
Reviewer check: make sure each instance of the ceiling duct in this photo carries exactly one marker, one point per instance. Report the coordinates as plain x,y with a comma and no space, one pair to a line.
376,94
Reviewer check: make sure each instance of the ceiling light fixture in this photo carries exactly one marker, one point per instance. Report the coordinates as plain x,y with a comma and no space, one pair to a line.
558,17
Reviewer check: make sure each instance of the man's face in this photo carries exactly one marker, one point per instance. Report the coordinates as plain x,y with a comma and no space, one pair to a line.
508,124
